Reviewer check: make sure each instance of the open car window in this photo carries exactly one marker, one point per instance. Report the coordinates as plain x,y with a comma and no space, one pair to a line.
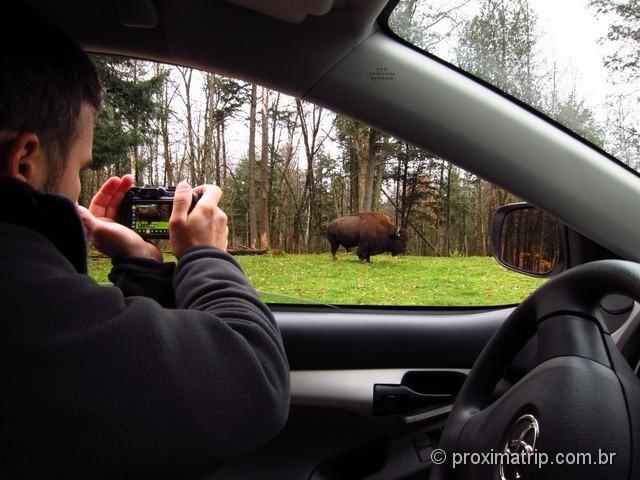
287,169
575,61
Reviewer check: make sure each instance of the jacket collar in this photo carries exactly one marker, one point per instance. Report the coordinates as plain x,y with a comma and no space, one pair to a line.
50,215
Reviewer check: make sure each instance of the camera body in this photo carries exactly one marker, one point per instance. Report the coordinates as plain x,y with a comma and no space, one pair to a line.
146,211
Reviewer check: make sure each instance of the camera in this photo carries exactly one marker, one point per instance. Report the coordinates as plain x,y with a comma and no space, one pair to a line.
146,210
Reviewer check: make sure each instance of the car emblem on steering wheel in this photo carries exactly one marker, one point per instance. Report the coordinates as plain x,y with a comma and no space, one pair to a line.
521,444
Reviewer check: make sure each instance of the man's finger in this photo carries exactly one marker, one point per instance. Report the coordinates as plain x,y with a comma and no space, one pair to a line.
181,203
101,200
200,188
125,185
88,219
211,194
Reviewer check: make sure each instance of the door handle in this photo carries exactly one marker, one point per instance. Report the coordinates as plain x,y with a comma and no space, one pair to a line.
398,399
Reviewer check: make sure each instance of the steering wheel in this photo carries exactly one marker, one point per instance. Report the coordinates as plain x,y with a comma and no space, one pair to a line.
579,404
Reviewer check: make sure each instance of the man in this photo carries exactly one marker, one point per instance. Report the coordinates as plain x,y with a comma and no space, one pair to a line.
172,370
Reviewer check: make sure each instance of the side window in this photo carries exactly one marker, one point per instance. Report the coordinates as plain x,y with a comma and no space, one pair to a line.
288,170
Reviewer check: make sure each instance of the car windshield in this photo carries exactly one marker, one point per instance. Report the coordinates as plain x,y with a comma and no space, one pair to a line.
576,61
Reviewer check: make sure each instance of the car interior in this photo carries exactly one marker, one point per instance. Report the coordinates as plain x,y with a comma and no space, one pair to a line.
375,390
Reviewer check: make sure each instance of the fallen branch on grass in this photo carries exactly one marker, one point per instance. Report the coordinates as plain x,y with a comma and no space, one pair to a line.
247,251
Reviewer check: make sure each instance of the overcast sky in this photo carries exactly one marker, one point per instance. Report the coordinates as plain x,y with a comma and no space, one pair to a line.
571,34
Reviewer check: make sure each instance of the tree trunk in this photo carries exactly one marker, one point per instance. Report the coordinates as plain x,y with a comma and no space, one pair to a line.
480,235
264,171
397,193
206,169
354,204
363,168
370,170
252,170
383,154
448,224
223,141
136,167
217,166
136,171
187,74
164,132
440,211
311,146
274,147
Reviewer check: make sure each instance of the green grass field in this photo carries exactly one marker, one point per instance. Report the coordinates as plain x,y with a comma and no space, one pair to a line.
405,280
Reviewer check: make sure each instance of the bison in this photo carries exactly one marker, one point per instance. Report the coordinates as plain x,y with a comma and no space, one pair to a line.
371,232
154,213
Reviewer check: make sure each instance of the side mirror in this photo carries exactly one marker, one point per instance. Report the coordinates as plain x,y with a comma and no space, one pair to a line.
527,240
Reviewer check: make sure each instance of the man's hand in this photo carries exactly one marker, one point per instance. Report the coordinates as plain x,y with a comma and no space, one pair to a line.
107,236
205,225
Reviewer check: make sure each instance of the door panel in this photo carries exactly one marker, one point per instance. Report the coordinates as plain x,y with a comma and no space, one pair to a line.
336,358
391,339
310,437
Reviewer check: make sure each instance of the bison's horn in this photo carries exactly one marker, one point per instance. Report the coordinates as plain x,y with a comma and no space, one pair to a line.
398,232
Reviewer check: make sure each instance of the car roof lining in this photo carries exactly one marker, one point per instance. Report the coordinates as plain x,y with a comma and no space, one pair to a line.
204,34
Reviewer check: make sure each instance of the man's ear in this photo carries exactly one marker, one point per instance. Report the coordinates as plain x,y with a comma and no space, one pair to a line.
26,160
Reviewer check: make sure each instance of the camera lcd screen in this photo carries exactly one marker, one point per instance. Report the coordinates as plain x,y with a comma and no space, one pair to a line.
150,218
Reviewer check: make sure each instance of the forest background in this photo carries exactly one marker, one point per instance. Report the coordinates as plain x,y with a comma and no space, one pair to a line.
288,167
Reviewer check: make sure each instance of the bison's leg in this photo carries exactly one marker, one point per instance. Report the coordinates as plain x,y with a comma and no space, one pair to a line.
334,249
362,253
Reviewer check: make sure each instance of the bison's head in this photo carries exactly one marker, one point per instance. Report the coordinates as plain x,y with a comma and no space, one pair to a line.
398,241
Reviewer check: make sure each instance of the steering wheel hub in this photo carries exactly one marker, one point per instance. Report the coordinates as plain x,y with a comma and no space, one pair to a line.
520,445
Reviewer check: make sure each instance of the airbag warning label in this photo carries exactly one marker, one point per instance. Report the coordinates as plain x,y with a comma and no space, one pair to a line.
382,74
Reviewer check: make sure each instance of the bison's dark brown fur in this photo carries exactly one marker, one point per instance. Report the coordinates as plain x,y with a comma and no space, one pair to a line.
371,232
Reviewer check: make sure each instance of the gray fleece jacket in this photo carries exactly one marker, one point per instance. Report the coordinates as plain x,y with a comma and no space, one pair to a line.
108,382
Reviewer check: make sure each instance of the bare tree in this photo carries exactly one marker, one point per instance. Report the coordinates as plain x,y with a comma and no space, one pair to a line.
192,151
252,170
211,100
370,171
310,127
264,171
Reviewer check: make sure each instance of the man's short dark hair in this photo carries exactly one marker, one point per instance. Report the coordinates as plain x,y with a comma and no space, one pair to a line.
44,80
